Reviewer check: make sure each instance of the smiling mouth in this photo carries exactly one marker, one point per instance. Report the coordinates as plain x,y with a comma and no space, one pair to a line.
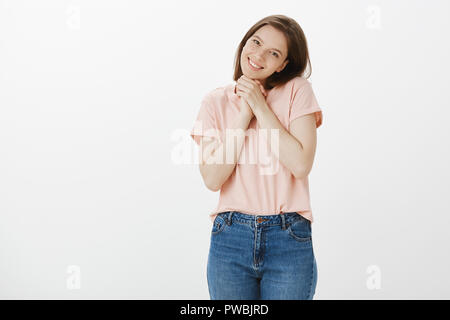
253,67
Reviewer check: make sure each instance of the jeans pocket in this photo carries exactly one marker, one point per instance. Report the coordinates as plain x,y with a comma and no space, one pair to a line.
300,229
218,225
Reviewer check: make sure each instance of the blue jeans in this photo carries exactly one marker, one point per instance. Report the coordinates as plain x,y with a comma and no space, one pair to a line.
261,257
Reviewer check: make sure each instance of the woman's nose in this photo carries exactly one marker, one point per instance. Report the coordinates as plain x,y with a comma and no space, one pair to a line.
259,56
259,59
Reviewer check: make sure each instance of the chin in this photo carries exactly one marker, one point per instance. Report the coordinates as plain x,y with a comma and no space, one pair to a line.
249,75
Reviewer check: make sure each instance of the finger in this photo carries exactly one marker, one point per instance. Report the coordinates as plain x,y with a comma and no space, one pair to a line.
243,87
264,92
251,82
262,88
239,86
241,93
246,81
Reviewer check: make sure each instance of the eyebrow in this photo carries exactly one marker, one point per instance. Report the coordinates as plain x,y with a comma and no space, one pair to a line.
255,36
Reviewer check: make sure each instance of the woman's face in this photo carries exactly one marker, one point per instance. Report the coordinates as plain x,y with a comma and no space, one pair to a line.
267,48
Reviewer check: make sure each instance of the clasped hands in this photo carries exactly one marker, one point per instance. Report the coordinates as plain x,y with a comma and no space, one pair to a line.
253,92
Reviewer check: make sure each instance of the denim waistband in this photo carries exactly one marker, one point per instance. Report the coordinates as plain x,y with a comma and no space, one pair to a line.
282,219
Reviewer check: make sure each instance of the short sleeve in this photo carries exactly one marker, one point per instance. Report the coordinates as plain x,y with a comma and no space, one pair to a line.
205,125
304,102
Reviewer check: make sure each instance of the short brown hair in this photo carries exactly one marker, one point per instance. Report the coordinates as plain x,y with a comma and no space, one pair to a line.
298,54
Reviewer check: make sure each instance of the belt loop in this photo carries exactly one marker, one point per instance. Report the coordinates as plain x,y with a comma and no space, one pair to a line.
230,214
283,221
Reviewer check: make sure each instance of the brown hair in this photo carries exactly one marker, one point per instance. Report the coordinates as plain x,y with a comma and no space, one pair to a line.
298,54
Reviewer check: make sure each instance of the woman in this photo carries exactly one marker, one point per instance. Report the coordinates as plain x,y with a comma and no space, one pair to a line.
257,141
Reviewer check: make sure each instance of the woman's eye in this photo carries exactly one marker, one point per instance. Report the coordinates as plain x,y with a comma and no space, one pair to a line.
257,42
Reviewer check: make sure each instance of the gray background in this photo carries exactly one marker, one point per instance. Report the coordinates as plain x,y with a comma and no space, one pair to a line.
100,193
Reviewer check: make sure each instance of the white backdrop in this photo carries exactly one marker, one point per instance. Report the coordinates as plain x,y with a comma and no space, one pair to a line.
100,193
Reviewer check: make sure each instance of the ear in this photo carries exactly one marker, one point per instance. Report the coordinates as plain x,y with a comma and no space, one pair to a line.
283,65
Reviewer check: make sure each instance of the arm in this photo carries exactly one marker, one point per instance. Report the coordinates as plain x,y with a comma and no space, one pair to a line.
218,159
304,130
296,150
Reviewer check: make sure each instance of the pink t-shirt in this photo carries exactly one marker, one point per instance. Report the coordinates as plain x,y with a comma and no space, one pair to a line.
260,184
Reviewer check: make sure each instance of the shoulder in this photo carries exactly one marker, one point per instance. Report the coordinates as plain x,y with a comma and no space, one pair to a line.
289,89
299,82
220,95
301,87
219,92
293,85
